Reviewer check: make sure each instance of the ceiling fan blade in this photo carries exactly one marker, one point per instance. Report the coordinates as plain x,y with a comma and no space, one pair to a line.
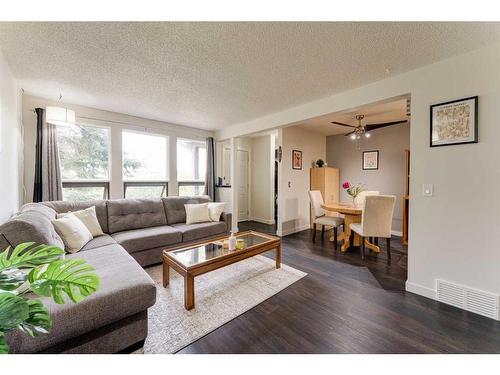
383,124
339,123
348,134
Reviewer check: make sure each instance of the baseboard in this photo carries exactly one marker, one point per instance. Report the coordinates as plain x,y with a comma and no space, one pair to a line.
397,233
293,230
259,220
420,290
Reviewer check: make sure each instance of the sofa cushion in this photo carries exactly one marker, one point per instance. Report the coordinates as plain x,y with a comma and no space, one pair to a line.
32,224
148,238
175,210
100,241
191,232
88,218
127,214
125,289
73,232
100,209
197,213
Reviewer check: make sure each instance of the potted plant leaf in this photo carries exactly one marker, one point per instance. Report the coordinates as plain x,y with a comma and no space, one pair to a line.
41,270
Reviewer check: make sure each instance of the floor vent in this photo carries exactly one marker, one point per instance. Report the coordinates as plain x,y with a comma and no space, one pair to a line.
476,301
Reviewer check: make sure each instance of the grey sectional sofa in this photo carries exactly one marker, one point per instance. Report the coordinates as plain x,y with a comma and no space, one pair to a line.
136,231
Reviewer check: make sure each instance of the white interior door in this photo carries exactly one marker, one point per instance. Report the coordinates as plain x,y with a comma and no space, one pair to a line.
242,168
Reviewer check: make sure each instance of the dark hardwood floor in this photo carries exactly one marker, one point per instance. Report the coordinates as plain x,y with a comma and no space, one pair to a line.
345,305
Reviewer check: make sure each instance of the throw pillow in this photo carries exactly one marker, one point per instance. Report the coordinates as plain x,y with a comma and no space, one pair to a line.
89,218
215,209
72,231
197,213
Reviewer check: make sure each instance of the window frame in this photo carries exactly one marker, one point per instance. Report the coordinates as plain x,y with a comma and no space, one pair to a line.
87,184
163,183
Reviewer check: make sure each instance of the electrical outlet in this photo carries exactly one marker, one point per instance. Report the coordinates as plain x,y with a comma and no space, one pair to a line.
427,190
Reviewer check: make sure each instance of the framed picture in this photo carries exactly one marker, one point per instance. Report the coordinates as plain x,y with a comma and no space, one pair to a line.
455,122
370,160
296,159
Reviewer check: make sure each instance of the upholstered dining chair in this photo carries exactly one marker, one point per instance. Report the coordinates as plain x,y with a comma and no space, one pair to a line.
360,199
376,221
321,218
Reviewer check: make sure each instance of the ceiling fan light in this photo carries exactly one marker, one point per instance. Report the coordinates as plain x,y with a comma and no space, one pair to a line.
353,136
368,135
60,116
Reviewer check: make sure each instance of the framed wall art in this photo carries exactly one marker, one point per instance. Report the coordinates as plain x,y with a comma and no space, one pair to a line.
454,122
370,160
296,159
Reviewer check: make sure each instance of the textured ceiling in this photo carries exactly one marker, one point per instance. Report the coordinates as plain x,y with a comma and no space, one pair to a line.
213,75
393,110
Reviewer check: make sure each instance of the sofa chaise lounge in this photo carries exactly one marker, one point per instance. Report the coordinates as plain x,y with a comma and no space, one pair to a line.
136,232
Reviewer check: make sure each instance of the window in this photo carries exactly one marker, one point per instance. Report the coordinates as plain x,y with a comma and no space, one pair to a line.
191,166
85,191
145,171
145,190
84,160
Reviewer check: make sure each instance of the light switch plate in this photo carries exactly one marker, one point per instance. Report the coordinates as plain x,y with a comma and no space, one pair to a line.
427,190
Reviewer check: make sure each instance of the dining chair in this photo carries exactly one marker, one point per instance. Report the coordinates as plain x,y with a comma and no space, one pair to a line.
360,202
321,218
376,221
360,199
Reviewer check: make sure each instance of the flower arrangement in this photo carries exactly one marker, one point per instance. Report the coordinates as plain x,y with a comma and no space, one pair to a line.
352,190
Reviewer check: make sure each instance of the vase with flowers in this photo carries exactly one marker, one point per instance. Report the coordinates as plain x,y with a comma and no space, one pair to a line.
352,190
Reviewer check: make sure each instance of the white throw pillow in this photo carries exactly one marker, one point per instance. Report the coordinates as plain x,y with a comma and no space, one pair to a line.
89,218
197,213
215,209
72,231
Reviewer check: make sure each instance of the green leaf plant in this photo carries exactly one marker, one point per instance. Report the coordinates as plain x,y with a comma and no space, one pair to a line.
28,271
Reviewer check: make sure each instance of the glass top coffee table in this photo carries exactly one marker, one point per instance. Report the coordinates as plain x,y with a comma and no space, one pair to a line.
208,255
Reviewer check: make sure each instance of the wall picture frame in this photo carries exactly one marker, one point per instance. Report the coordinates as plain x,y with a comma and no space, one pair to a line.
454,122
370,160
296,159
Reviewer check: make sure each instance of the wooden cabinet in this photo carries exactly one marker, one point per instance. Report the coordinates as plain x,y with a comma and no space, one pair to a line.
326,180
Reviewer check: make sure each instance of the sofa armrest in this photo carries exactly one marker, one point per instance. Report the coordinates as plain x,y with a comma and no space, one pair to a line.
227,218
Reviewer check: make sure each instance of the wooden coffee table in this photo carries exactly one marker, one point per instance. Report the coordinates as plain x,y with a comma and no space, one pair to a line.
205,256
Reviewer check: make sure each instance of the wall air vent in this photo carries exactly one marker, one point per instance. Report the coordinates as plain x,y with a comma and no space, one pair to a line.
476,301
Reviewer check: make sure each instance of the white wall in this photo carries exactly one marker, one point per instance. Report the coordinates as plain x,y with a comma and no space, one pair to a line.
262,186
116,122
10,142
389,178
294,185
453,235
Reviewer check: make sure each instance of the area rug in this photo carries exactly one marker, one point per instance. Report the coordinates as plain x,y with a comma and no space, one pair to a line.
220,296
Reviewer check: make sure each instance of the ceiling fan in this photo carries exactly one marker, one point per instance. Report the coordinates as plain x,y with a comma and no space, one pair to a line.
361,130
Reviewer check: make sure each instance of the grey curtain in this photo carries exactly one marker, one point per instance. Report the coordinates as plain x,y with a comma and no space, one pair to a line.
210,176
51,171
48,184
37,185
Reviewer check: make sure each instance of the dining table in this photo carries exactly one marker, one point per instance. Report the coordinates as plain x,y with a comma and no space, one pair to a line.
352,214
